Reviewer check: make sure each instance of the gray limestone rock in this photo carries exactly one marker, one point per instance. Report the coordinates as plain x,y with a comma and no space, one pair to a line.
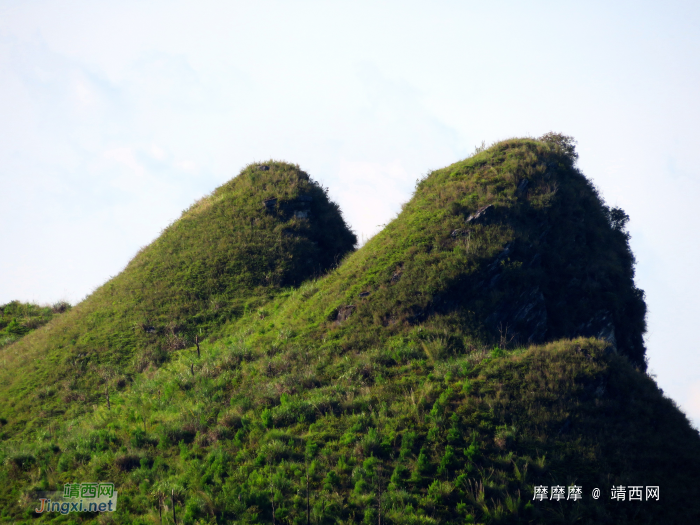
522,187
600,326
525,318
482,215
344,312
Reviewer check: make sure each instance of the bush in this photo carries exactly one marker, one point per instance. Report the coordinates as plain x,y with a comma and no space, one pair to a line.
172,435
331,480
22,461
65,463
140,439
371,442
267,418
127,462
370,516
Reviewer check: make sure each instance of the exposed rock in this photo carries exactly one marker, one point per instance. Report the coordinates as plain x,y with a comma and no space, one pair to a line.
522,187
270,203
364,294
601,327
388,320
526,318
601,387
262,167
344,313
507,250
536,261
482,215
298,207
459,233
531,315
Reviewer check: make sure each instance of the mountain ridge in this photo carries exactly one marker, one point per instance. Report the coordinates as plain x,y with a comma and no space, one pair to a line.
488,341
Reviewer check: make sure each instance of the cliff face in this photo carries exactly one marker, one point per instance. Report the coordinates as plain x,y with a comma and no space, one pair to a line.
486,343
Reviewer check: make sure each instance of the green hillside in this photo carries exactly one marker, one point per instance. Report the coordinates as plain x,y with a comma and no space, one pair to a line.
18,319
545,260
269,228
487,341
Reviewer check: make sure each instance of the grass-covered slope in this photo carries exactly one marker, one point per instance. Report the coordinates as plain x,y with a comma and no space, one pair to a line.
268,228
18,319
458,440
545,259
412,384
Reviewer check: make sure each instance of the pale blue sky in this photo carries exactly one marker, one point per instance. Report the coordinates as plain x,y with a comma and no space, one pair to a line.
115,116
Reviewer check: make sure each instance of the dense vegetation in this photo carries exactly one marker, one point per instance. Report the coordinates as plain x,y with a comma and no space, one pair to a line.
269,228
546,260
18,319
413,383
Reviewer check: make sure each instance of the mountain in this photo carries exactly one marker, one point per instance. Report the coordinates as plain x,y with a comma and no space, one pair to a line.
512,245
268,229
487,343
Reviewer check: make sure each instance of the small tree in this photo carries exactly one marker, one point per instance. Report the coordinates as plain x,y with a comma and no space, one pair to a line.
566,143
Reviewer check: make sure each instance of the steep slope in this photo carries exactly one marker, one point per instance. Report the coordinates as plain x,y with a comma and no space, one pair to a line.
511,245
403,385
268,228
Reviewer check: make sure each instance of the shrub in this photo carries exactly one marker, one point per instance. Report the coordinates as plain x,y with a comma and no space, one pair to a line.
422,465
370,516
140,439
448,459
331,480
399,475
22,461
127,462
267,418
371,442
65,462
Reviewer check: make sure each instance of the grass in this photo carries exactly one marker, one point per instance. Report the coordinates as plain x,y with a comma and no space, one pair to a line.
19,319
227,255
436,375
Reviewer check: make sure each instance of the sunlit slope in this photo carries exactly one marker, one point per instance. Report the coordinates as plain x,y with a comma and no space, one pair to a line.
512,245
268,228
463,439
18,319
